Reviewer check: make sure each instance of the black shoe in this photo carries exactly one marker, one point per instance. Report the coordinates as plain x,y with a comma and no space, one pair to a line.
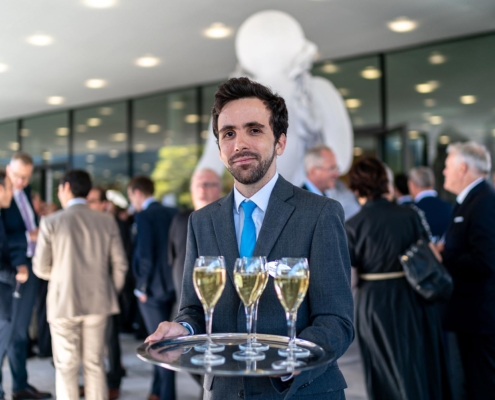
30,393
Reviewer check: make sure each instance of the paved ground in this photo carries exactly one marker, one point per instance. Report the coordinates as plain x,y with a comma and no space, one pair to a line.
137,383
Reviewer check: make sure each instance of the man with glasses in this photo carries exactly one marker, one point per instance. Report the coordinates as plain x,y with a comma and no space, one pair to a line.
322,178
21,228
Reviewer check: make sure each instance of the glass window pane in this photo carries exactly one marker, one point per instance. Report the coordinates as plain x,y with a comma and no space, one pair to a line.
166,142
8,141
358,81
46,138
100,144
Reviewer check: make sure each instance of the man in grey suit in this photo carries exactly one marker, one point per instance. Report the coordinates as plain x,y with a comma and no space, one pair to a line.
80,252
250,123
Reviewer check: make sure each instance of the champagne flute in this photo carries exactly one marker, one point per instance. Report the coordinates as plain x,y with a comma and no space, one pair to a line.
249,277
255,344
17,293
291,285
209,278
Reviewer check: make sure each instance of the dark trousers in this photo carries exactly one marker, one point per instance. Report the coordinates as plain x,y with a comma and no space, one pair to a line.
115,371
163,379
44,337
16,334
478,361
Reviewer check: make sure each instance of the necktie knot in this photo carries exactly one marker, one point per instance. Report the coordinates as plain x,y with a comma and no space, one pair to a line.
248,207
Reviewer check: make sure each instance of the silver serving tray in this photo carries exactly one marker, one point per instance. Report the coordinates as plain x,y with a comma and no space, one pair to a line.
175,354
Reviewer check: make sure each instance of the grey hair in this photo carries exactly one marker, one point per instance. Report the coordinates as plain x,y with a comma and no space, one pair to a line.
390,174
422,177
312,158
473,154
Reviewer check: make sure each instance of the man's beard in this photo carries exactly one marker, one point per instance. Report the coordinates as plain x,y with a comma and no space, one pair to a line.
246,174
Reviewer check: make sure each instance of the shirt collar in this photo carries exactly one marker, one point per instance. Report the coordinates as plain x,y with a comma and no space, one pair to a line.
462,196
260,198
424,194
312,188
77,200
404,199
147,202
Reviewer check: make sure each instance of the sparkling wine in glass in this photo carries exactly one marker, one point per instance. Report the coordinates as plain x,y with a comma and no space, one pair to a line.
249,280
209,278
291,285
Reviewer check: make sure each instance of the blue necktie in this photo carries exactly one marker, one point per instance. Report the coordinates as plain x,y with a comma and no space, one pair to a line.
248,236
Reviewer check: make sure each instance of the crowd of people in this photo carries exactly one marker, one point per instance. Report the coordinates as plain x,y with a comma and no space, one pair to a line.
94,269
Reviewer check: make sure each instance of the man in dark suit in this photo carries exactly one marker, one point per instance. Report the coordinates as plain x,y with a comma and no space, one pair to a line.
469,255
21,228
154,282
250,123
438,212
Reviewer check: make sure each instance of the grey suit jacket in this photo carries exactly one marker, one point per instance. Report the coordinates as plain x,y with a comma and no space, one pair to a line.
80,252
297,223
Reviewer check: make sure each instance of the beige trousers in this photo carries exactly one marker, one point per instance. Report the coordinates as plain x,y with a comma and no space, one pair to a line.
74,340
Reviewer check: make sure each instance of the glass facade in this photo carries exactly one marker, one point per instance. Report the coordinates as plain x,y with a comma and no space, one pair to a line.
405,106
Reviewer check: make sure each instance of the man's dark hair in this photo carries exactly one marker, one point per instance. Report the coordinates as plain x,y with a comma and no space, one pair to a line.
142,183
400,182
102,193
79,181
3,175
241,88
368,178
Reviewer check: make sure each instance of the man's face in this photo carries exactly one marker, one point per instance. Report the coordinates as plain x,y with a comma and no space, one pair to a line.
454,171
246,140
94,201
6,193
19,173
205,188
325,175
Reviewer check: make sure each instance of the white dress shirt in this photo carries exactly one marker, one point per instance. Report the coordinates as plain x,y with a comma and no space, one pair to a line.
462,196
261,199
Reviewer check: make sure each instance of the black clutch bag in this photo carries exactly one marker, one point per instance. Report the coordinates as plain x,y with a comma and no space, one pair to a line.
427,276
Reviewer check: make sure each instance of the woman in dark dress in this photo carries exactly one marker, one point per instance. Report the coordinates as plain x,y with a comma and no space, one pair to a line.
399,333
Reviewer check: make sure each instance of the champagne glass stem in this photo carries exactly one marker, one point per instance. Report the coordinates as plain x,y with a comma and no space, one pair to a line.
208,321
255,318
249,325
291,325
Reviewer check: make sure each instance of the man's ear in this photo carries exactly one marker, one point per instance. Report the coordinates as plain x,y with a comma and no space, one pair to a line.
280,145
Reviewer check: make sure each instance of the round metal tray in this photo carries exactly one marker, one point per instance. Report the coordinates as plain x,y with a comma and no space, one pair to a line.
175,353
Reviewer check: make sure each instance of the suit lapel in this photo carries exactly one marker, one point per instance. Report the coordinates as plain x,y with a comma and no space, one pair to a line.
223,224
277,215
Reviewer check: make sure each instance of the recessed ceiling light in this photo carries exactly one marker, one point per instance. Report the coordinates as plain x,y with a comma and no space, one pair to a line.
140,147
3,67
436,58
468,99
147,62
90,158
192,118
444,139
63,131
40,40
91,144
55,100
413,135
14,146
113,153
25,132
427,87
402,24
153,128
430,102
100,3
118,137
330,68
96,83
344,91
353,103
436,120
94,122
358,151
106,111
217,30
371,73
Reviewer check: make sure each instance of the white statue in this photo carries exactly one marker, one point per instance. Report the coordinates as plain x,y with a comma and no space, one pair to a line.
272,50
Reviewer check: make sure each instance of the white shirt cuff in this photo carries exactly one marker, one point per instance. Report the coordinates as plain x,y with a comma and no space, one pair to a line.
188,327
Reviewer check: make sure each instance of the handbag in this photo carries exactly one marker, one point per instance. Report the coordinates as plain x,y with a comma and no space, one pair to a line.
427,276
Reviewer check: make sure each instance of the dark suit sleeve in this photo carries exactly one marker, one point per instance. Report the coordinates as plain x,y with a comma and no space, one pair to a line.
479,261
17,247
145,252
191,310
329,291
172,252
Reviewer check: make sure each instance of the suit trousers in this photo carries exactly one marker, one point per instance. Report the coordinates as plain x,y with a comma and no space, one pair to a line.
44,337
16,335
163,384
115,370
478,361
75,339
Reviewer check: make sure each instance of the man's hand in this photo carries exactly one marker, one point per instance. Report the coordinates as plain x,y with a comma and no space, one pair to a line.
33,235
22,274
143,298
436,250
167,329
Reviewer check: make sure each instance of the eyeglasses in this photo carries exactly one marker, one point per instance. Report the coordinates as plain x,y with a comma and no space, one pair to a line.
207,185
330,169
